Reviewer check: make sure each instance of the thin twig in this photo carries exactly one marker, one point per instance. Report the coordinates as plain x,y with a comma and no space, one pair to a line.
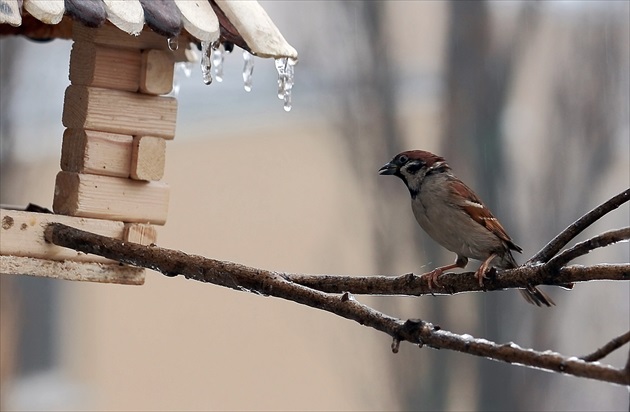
609,347
564,237
235,276
582,248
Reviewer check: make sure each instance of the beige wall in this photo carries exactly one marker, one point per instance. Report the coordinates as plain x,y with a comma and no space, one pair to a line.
281,203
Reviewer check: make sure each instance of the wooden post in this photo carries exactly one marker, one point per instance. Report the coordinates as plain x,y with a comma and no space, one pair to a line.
118,121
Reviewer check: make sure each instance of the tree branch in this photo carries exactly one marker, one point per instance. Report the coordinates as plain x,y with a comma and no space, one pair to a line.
453,283
582,248
564,237
609,347
239,277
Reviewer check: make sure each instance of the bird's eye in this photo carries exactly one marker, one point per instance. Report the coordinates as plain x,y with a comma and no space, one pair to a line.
403,159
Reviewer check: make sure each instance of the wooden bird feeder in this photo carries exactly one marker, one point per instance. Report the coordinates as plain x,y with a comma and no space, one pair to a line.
118,118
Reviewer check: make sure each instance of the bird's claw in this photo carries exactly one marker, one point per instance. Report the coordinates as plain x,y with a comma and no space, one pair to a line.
481,274
432,278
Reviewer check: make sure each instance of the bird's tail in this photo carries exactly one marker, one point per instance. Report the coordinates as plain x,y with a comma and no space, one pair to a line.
536,296
531,294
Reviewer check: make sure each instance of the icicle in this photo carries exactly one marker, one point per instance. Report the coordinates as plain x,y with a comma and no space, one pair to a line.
173,43
286,69
281,67
217,60
206,62
248,70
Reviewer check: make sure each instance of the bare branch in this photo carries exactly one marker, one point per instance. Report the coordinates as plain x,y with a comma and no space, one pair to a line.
227,273
239,277
609,347
512,353
582,248
564,237
453,283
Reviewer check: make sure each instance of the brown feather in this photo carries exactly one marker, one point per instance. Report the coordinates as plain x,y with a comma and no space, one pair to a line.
475,208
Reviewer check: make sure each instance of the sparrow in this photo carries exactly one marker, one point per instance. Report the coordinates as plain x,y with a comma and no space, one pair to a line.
454,216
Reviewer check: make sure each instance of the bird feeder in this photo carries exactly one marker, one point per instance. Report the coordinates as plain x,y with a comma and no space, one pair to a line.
119,116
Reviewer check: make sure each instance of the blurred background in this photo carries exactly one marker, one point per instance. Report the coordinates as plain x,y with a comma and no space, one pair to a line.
529,102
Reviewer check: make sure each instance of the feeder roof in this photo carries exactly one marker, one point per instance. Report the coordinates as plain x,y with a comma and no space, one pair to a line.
244,23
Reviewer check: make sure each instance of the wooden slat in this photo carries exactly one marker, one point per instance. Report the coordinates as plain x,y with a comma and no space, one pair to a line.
119,112
126,15
90,13
156,73
163,17
107,67
47,11
114,198
99,153
140,233
199,19
148,157
109,35
10,12
258,31
71,270
22,234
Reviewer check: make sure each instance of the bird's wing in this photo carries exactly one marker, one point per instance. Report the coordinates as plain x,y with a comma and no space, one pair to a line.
475,208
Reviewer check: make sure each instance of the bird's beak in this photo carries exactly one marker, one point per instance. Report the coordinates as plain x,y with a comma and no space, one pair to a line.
388,169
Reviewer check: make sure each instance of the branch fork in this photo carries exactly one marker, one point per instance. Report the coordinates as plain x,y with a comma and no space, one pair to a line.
335,293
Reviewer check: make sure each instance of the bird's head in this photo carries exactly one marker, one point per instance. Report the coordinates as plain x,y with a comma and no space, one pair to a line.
413,166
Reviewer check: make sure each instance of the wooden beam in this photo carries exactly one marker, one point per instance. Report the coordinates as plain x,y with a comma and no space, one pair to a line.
119,112
99,153
109,35
70,270
106,67
22,234
112,198
148,157
157,71
140,233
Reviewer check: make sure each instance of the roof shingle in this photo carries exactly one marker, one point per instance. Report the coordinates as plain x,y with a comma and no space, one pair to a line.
244,23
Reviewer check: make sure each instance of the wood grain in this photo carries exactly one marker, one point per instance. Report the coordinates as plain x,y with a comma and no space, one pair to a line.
106,67
22,234
140,233
71,270
113,198
119,112
148,157
110,35
157,71
100,153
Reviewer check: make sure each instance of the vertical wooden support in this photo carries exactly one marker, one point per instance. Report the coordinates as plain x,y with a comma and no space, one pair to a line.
156,74
140,233
148,156
118,121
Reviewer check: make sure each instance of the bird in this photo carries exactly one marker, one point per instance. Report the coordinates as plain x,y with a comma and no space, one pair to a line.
454,216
